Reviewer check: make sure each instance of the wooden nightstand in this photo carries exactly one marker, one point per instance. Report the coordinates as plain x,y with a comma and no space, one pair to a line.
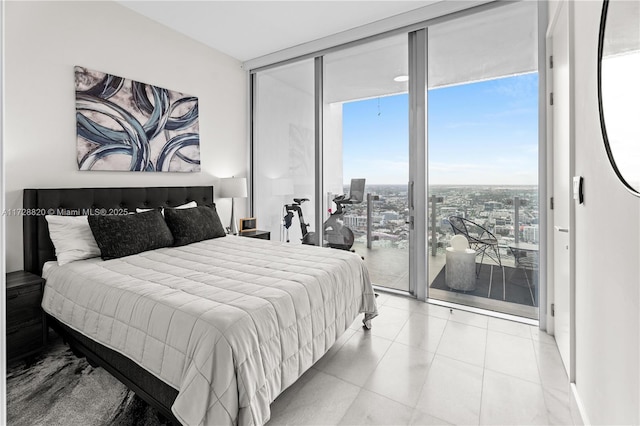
26,321
263,235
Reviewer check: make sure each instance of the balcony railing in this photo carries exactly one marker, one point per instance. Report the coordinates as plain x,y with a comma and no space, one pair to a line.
382,238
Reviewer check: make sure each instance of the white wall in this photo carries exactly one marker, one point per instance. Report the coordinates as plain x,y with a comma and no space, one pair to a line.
607,254
44,40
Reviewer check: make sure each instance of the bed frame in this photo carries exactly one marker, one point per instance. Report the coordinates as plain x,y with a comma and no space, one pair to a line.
39,249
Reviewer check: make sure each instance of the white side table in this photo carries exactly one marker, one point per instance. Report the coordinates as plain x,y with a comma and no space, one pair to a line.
460,269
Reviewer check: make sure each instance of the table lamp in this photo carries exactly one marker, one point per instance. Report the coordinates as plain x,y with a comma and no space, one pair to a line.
233,187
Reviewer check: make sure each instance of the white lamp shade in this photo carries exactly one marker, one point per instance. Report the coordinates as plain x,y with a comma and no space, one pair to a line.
232,188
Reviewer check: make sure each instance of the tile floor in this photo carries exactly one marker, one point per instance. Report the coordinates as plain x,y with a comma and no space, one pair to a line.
424,365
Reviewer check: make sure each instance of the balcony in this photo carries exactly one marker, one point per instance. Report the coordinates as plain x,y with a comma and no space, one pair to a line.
388,267
508,212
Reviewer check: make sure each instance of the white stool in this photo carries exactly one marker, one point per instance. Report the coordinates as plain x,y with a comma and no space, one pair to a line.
460,267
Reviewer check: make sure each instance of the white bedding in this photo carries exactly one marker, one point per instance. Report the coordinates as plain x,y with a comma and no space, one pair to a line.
230,322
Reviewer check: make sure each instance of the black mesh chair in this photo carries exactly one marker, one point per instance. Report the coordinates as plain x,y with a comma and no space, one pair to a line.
528,260
480,239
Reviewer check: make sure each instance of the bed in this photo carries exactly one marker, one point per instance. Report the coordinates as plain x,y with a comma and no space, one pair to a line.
207,333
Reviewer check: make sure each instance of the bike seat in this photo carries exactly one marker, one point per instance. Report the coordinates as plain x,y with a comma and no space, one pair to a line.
300,200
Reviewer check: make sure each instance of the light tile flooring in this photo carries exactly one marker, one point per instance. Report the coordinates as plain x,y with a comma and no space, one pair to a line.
423,364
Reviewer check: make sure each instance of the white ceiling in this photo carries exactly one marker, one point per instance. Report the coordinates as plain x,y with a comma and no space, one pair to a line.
485,45
249,29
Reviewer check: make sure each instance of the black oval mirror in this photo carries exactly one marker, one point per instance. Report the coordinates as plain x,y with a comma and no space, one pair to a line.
619,88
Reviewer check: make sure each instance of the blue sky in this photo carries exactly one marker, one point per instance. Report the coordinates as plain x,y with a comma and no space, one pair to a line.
479,133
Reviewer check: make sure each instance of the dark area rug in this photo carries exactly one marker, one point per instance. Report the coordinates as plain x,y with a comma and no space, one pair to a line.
516,288
57,388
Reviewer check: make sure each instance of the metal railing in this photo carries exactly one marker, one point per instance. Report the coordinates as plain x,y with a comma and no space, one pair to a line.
370,199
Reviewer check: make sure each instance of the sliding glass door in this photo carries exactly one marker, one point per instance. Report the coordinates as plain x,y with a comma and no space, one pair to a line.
366,140
349,130
483,158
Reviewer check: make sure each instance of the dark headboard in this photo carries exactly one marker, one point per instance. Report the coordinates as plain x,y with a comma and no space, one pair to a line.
38,247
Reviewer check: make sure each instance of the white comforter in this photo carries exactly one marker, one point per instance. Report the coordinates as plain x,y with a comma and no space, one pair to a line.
229,322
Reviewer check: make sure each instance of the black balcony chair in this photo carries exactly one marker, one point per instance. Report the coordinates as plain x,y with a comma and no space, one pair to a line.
480,239
527,260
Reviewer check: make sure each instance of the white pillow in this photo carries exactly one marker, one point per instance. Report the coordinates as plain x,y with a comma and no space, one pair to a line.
72,238
189,205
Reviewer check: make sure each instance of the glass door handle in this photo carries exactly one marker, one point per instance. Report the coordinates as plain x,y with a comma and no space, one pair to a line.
410,191
560,229
409,222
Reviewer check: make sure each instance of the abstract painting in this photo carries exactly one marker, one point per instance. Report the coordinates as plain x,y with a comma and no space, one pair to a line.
126,125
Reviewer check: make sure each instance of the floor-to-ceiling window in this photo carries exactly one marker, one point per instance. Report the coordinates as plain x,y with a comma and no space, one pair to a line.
480,129
283,149
483,157
366,136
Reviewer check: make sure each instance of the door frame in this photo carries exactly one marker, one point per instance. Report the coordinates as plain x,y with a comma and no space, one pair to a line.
544,176
417,196
3,259
551,116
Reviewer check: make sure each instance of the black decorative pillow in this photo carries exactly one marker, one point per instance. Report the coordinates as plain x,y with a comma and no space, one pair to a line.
124,235
193,225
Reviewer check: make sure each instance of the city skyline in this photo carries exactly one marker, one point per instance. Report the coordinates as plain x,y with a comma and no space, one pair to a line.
490,205
484,132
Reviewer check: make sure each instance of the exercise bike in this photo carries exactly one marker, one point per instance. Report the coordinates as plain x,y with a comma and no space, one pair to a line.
336,234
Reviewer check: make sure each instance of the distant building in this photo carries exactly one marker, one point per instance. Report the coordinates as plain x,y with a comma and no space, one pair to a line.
389,215
447,211
355,221
492,205
531,234
503,230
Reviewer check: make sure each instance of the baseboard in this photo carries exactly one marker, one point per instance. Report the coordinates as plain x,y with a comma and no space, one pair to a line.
578,413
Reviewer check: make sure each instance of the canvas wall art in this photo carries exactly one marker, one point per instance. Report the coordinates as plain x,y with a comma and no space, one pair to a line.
127,125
